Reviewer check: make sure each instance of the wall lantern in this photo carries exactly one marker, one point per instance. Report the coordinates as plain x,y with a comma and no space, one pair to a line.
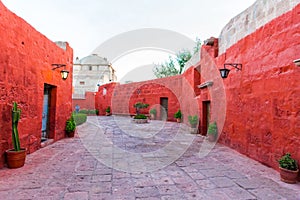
224,72
297,62
64,73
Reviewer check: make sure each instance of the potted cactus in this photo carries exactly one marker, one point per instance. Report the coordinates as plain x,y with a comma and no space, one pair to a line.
16,156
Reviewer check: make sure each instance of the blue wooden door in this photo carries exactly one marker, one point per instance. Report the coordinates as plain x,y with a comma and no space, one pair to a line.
45,113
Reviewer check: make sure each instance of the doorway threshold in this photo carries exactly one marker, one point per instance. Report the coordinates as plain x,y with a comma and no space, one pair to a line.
46,142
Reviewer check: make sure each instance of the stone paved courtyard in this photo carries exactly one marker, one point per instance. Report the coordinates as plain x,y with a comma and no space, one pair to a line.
112,158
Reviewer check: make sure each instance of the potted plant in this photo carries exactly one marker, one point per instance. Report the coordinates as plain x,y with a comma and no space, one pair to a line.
140,119
178,116
288,169
193,120
138,106
212,132
16,156
70,127
107,111
153,113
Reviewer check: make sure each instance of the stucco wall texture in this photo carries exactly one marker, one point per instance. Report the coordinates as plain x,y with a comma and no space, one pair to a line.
257,109
25,66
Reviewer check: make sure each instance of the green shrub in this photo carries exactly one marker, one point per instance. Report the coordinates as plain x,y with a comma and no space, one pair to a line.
153,111
70,125
212,129
193,119
287,162
79,118
107,109
89,112
178,114
140,116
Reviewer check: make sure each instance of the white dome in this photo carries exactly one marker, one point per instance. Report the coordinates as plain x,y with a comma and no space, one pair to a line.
93,59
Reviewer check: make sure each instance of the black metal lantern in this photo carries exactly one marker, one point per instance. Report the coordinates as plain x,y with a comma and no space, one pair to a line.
224,72
64,73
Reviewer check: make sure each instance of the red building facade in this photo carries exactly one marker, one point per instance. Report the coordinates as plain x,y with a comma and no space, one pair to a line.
26,77
257,108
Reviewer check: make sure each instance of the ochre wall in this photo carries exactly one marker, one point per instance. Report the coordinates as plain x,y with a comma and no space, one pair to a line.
25,66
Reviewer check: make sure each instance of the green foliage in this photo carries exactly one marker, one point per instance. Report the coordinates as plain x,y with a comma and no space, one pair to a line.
107,109
16,113
170,68
89,112
153,111
166,69
212,129
70,125
79,118
193,119
178,114
198,45
140,105
140,116
182,57
287,162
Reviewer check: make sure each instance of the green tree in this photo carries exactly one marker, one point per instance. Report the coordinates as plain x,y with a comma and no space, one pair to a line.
171,67
166,69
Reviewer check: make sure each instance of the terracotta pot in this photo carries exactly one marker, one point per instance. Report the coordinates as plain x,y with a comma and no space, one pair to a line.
107,114
288,176
152,116
194,130
15,159
71,134
211,137
178,120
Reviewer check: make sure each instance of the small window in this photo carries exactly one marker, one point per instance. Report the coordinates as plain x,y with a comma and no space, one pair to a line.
81,82
90,68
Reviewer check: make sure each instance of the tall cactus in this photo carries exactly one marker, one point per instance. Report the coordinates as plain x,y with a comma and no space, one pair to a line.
16,112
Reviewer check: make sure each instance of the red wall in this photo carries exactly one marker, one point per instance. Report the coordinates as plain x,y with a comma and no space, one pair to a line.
25,60
256,109
85,104
262,101
121,98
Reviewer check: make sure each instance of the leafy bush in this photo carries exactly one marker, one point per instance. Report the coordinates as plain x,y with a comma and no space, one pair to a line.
287,162
141,105
178,114
89,112
212,129
153,111
79,118
70,125
107,109
193,119
140,116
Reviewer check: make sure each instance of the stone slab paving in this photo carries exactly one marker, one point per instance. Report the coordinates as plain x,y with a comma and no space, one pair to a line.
131,161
